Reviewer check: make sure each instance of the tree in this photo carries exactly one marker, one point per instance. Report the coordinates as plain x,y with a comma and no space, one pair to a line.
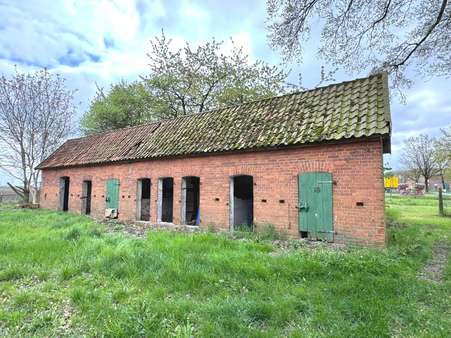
184,81
442,154
445,140
193,80
377,34
126,104
414,174
419,157
36,112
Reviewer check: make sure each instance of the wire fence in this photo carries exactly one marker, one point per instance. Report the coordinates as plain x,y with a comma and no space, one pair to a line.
444,203
430,199
9,198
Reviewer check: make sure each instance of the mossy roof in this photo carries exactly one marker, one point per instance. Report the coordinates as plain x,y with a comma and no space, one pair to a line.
348,110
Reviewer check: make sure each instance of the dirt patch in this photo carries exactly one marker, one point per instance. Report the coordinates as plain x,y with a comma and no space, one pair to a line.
140,229
298,244
433,270
128,229
66,312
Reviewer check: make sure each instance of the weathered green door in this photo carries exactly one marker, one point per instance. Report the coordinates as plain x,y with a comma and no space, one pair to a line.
315,205
112,194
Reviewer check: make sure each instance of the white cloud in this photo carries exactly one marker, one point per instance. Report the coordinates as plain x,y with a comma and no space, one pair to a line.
190,10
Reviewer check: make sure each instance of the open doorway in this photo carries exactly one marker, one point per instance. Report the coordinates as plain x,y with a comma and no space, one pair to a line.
165,199
86,190
242,201
64,193
190,200
143,200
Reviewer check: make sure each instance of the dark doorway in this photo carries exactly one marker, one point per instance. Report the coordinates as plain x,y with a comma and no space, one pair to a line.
242,201
86,197
143,200
166,199
190,200
64,193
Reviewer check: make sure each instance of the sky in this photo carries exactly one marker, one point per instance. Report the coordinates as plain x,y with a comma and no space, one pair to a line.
96,43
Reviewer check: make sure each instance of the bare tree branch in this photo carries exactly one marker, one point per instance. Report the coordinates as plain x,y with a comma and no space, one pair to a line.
36,112
371,35
428,32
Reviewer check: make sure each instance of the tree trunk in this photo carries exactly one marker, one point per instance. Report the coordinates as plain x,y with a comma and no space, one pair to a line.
426,184
33,193
26,196
443,181
35,188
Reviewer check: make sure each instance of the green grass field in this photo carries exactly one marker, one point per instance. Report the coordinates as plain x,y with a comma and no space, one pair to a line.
64,275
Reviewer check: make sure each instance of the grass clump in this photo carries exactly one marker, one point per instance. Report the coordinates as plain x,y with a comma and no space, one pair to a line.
265,232
269,232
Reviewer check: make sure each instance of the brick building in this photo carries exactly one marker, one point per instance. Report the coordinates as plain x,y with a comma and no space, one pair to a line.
309,163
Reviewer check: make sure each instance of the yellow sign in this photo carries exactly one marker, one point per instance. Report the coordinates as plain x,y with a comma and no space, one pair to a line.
391,182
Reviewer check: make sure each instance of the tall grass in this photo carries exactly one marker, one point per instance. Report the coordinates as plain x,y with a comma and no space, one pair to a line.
62,274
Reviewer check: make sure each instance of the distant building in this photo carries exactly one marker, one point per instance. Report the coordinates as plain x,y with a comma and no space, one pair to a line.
434,183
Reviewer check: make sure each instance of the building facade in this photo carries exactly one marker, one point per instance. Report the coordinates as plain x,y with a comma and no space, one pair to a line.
315,172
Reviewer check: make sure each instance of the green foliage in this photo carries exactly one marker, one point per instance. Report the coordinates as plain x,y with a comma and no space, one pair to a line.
206,284
184,81
126,104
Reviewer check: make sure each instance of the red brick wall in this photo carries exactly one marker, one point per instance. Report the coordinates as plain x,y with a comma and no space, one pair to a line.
356,168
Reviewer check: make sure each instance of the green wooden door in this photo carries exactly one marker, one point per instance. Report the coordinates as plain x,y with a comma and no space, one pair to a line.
112,194
315,205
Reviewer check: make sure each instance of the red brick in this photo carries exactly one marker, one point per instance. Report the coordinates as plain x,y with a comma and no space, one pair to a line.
356,168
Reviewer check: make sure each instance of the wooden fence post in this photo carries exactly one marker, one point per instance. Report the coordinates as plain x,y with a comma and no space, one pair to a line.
440,202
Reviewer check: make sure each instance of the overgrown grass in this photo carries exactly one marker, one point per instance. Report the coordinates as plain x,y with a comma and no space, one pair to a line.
7,205
63,275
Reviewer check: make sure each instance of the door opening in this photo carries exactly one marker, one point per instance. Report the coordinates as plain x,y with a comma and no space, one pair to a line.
143,199
190,200
166,199
64,193
86,191
242,201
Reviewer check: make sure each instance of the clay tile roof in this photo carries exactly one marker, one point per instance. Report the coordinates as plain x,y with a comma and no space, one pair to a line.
353,109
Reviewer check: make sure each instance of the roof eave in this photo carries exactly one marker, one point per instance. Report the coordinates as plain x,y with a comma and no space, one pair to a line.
385,142
387,137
